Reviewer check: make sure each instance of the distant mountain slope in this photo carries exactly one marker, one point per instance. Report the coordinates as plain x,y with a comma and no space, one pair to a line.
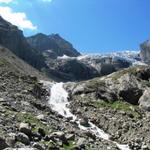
12,38
17,64
53,42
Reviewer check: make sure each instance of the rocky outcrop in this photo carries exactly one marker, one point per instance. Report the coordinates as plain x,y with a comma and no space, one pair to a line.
127,85
12,38
54,43
144,101
145,51
112,103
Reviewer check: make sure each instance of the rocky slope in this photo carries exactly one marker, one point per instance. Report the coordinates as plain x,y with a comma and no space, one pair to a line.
27,121
12,38
56,45
18,64
118,103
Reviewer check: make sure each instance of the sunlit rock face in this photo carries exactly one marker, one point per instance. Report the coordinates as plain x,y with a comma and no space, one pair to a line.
145,51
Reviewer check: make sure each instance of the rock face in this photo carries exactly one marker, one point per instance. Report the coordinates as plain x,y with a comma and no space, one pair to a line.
144,101
7,56
105,65
127,85
145,51
83,68
71,70
56,44
12,38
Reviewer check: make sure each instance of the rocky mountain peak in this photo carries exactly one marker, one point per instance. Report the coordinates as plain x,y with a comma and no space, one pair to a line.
12,38
55,36
53,42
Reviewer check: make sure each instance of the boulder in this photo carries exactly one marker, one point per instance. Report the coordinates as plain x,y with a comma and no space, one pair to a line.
129,88
70,137
11,139
41,131
38,146
84,122
23,138
59,135
3,143
145,51
41,117
25,128
144,101
80,143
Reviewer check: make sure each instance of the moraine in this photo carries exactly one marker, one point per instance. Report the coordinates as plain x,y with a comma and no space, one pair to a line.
58,101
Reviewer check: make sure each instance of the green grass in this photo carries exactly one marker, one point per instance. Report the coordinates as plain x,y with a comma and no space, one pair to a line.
118,105
70,146
27,118
3,62
30,118
48,143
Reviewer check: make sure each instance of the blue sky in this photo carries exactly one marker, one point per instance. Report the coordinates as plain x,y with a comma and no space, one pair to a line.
90,25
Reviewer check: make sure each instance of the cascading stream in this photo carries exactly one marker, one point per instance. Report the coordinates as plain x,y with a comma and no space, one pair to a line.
58,101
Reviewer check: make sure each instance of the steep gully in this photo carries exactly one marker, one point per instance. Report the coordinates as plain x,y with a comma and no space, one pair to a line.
58,101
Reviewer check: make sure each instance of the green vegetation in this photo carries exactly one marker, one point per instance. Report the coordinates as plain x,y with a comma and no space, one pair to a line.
70,146
3,62
131,70
49,144
30,118
120,106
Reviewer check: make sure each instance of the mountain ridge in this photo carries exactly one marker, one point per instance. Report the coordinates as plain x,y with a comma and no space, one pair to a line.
53,42
12,38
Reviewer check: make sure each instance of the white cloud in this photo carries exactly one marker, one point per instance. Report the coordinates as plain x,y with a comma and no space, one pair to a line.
17,18
6,1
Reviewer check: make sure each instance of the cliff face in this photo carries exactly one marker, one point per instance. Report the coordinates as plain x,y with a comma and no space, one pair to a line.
145,51
12,38
53,42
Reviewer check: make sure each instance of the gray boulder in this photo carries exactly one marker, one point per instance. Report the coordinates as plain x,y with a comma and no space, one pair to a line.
38,146
144,101
23,138
3,143
25,128
145,51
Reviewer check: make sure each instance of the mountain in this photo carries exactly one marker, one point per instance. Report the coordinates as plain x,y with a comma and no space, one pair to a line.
12,38
93,65
52,42
10,60
108,108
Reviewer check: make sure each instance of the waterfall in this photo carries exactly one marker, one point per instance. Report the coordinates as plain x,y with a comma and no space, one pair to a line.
58,101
